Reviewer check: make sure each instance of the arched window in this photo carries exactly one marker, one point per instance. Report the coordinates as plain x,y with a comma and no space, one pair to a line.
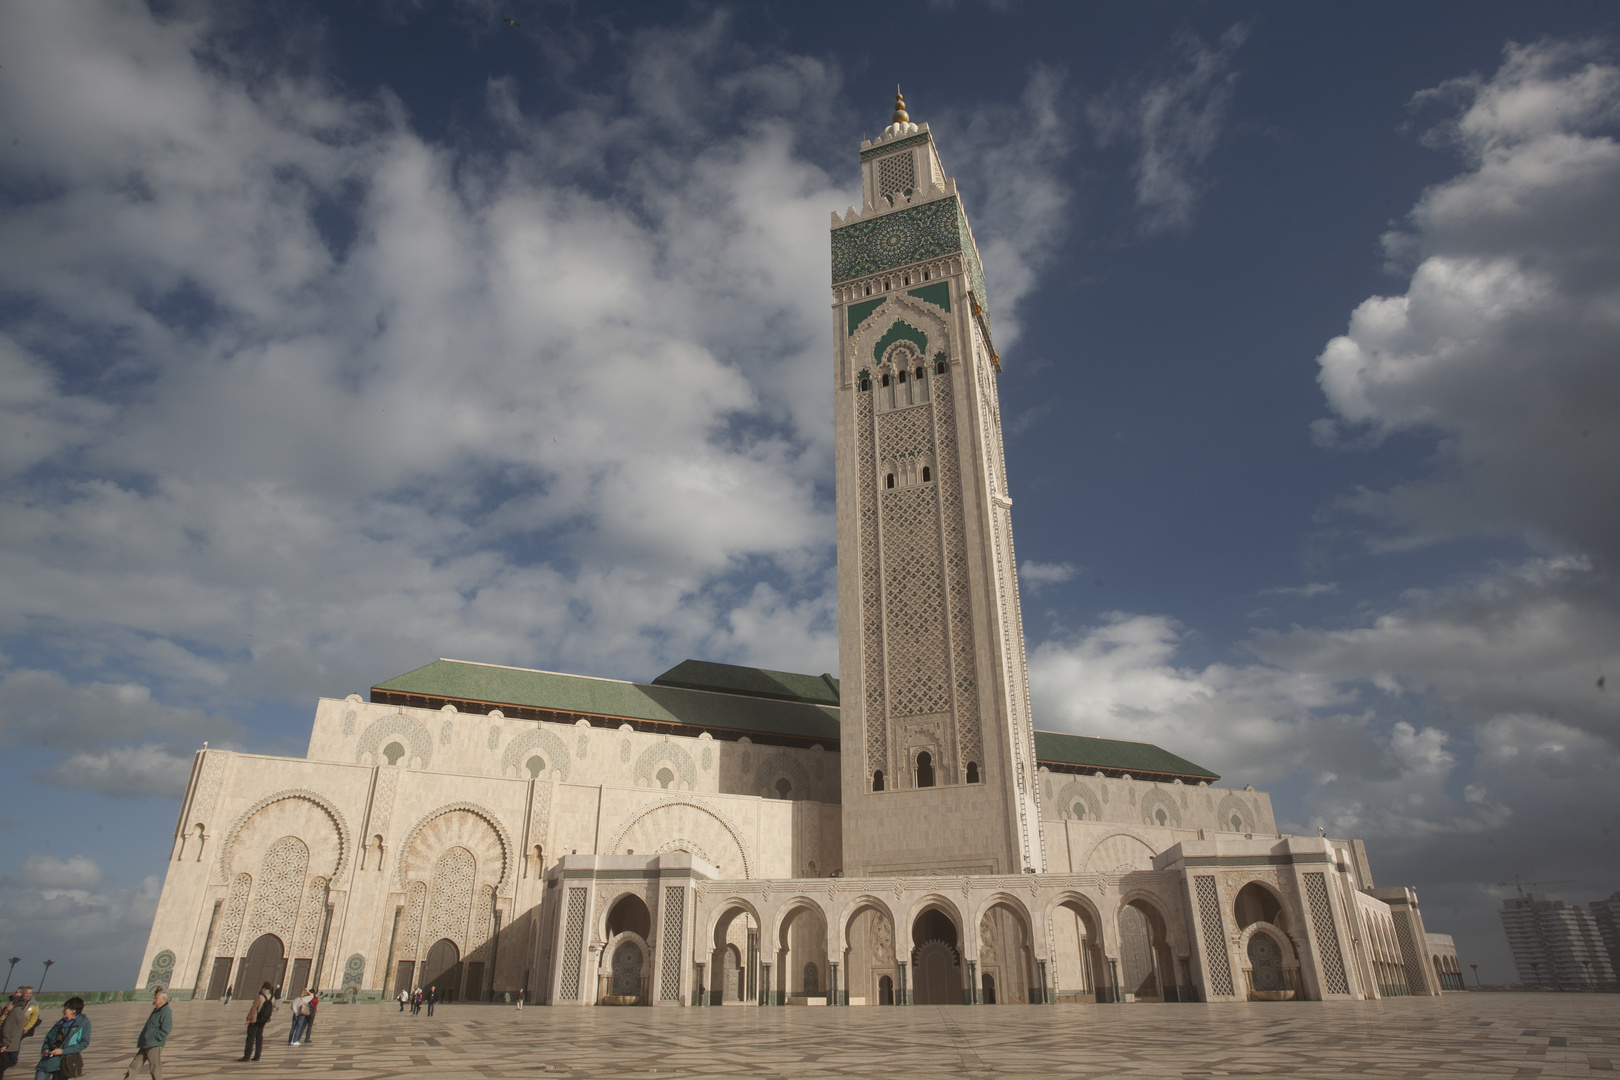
665,777
885,380
973,772
877,780
888,482
393,752
925,275
919,374
901,375
927,476
925,769
939,366
866,384
783,787
536,765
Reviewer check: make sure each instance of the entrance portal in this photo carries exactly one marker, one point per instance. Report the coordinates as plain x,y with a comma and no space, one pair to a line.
442,971
266,962
935,962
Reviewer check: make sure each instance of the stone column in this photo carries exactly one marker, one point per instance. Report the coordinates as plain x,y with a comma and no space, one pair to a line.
701,991
1040,968
766,994
973,995
902,989
1114,994
832,983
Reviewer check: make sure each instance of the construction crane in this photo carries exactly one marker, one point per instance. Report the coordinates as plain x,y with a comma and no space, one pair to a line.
1517,884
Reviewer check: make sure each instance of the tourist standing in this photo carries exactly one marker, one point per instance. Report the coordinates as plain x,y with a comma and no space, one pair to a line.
64,1043
300,1012
521,991
30,1010
227,993
12,1023
404,995
154,1033
309,1016
259,1014
432,996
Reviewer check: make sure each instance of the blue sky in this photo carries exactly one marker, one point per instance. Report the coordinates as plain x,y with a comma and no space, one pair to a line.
335,338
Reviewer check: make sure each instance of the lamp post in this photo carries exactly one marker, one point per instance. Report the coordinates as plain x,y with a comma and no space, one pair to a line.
15,960
47,971
1477,983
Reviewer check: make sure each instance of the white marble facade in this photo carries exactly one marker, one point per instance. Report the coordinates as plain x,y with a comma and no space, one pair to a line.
926,855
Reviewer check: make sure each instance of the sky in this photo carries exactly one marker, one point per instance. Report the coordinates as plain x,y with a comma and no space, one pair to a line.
338,337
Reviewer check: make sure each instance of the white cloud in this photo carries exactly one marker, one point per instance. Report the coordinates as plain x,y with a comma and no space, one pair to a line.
1308,590
1503,344
42,708
49,872
123,771
1174,120
1036,576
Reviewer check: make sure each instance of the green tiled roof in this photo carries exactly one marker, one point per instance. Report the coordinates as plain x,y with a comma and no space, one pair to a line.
753,681
1131,757
496,685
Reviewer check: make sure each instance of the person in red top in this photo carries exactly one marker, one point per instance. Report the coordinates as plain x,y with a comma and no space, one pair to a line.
309,1021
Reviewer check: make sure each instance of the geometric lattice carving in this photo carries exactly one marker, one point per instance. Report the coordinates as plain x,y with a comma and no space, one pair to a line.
396,724
674,917
348,722
309,924
1209,917
344,841
573,945
964,673
1156,802
667,753
415,903
208,785
897,174
354,972
451,898
526,743
1077,792
382,803
877,717
1233,807
918,662
1327,935
507,854
235,909
784,765
281,887
1412,960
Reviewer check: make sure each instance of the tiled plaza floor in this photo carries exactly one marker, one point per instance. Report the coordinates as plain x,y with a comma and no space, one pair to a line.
1457,1036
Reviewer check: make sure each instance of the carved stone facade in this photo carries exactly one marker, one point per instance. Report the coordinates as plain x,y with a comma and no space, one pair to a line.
891,840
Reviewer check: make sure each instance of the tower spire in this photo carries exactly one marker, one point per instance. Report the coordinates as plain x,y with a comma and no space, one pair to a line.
900,116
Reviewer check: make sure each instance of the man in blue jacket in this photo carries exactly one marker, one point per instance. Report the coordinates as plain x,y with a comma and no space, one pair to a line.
154,1033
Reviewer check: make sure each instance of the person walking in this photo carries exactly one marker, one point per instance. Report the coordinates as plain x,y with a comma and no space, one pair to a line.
404,996
64,1043
12,1022
154,1033
227,994
30,1010
521,990
416,1001
259,1014
432,996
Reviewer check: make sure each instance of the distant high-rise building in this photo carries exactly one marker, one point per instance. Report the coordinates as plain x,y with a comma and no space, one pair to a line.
1555,944
1606,913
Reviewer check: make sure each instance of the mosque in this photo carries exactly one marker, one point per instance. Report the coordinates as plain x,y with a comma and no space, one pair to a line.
733,836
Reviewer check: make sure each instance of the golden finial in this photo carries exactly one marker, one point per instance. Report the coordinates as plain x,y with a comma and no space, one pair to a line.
900,116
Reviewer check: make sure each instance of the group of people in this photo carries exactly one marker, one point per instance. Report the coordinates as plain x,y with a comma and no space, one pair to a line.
416,998
263,1010
60,1054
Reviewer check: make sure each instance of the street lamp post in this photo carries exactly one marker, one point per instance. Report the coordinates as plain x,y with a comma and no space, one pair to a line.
47,971
1476,976
15,960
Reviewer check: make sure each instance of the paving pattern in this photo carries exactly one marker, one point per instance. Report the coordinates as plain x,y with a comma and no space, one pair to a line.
1461,1036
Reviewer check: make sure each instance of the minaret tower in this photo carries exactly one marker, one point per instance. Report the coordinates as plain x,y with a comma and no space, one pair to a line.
938,745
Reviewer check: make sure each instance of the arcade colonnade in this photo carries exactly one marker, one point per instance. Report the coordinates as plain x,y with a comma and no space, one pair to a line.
1270,930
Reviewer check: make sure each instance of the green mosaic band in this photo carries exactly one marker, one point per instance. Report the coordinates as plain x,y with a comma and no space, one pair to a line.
915,140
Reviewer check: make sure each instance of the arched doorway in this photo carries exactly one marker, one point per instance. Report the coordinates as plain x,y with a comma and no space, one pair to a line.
265,962
886,991
801,956
442,971
629,913
1144,953
936,959
734,962
869,955
1080,969
988,988
1256,903
1005,955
